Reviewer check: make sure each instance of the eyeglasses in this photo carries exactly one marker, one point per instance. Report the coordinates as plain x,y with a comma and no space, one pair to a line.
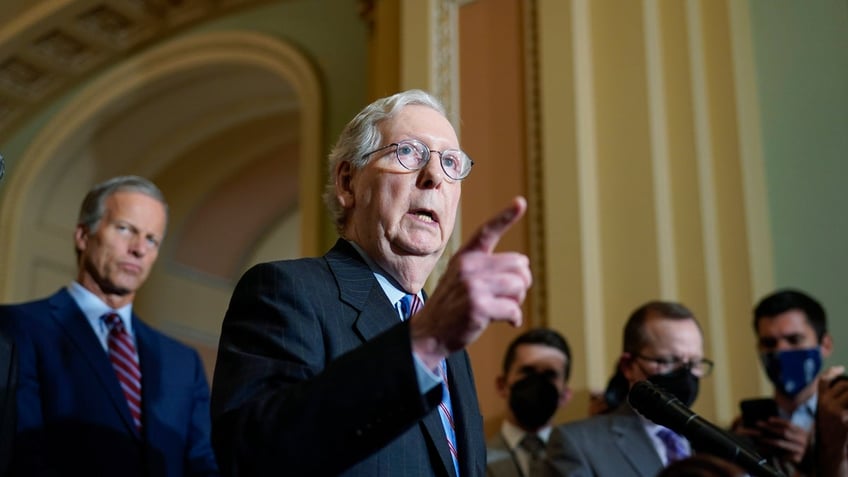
700,368
413,155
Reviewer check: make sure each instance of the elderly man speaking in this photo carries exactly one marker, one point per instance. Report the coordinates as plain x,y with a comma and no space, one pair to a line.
341,365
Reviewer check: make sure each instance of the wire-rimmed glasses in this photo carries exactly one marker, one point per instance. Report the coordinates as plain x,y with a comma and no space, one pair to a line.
699,367
413,155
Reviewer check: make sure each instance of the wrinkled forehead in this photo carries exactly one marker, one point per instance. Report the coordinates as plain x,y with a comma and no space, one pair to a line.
138,209
420,122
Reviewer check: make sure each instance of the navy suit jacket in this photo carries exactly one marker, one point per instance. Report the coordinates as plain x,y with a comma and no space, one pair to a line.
315,376
73,418
8,386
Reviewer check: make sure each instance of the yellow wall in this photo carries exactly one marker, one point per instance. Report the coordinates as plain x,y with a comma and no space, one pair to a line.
620,121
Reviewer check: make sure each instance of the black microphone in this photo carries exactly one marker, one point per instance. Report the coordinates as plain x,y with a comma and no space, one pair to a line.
666,410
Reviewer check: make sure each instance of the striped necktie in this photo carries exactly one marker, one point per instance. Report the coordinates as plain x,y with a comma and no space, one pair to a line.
535,448
409,305
125,363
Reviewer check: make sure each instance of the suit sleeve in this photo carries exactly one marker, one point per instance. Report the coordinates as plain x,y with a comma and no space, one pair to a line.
200,458
29,456
296,389
8,388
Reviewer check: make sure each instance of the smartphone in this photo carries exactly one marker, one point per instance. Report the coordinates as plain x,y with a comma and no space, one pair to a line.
759,409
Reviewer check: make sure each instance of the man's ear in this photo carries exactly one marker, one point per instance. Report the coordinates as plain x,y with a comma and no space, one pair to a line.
625,364
80,238
565,396
344,184
500,385
826,345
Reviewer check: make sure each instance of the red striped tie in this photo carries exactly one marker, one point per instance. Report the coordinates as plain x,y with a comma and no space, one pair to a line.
125,362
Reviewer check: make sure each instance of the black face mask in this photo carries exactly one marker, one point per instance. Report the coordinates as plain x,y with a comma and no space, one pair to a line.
533,400
681,383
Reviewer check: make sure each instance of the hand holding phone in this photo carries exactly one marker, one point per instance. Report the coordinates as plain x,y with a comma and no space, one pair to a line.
755,410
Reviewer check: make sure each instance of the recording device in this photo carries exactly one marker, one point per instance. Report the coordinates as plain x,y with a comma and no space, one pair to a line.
666,410
754,410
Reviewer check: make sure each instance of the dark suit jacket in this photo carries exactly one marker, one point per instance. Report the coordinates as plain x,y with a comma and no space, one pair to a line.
8,385
73,418
315,376
609,445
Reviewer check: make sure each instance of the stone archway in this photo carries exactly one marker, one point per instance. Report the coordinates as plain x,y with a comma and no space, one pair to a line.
227,123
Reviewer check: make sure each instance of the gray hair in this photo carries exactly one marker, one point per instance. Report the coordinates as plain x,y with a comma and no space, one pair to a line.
362,135
94,205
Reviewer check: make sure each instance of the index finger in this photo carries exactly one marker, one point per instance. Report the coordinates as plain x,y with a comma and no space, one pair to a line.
489,234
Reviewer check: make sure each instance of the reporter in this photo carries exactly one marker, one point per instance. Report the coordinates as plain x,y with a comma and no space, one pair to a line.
793,341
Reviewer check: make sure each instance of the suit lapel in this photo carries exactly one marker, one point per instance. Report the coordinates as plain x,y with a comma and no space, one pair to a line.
639,452
505,467
149,359
500,461
432,428
69,317
359,289
465,411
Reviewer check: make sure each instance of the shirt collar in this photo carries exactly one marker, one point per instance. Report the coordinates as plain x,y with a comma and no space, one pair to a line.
513,434
94,308
804,415
390,287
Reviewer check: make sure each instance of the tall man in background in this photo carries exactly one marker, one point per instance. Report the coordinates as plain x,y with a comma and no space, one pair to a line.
100,392
326,365
534,383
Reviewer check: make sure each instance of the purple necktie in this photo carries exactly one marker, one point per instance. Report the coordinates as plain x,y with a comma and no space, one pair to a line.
674,448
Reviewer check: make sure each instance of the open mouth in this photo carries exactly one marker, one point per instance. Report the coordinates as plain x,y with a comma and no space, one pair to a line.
425,215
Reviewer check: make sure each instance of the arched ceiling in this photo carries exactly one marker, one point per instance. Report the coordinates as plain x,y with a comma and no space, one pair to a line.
48,46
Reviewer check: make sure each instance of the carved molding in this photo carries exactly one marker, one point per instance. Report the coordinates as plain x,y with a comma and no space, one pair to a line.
535,169
444,81
445,57
66,128
49,52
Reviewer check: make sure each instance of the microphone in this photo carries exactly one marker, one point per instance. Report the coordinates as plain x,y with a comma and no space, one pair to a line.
666,410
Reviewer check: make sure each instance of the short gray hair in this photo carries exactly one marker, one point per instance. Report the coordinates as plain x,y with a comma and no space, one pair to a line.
94,205
362,135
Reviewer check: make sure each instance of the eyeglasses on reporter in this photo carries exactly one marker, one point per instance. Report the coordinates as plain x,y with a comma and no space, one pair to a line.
413,155
700,367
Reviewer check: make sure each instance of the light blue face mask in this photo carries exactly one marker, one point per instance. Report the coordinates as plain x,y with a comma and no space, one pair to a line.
793,370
